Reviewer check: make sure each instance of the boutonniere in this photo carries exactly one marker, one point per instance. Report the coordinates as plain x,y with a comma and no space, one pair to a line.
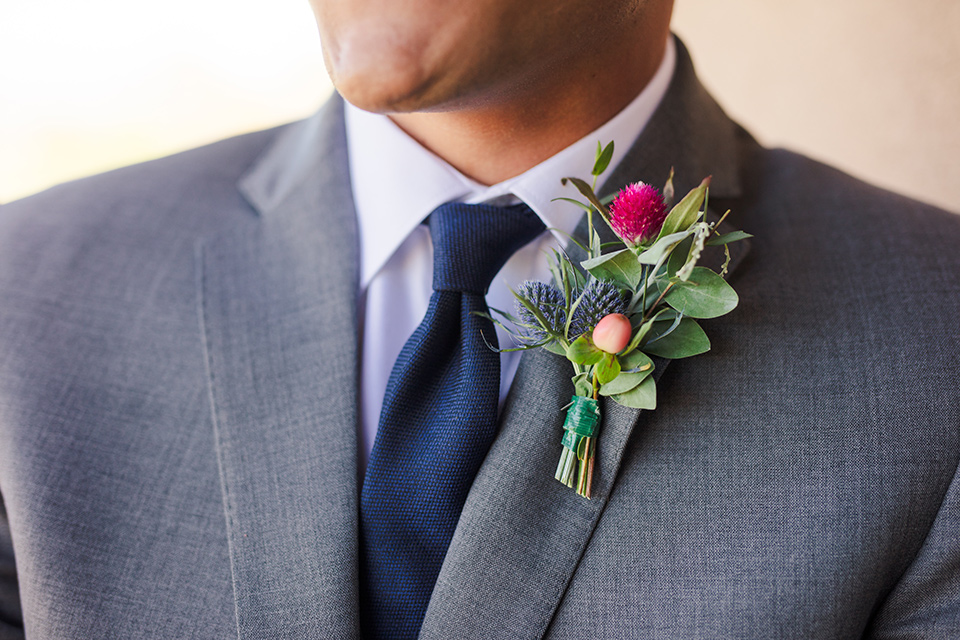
627,301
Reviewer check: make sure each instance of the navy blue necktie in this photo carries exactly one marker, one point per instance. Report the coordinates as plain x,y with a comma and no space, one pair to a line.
438,418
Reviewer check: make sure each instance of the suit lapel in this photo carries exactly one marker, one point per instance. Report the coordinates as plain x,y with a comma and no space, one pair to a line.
279,314
521,533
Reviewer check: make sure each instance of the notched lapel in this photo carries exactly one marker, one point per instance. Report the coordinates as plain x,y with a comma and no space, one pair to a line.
522,533
278,309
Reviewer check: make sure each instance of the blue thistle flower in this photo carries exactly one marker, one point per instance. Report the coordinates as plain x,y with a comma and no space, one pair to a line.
549,301
599,299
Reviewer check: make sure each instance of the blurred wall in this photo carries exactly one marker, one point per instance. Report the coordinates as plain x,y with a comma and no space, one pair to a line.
92,85
872,86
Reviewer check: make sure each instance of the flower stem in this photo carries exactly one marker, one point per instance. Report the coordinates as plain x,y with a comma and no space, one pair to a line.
647,316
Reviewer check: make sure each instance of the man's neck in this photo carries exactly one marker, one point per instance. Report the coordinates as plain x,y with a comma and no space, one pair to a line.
504,138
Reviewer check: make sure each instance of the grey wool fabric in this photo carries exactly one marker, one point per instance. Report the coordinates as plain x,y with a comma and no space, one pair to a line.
178,415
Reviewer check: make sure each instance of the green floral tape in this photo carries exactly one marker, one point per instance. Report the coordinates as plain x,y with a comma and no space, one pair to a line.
583,416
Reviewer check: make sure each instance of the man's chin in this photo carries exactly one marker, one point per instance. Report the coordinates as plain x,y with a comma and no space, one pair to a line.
386,91
380,102
404,92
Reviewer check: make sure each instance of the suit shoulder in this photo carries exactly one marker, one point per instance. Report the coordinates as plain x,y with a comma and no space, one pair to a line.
830,197
113,221
145,188
801,207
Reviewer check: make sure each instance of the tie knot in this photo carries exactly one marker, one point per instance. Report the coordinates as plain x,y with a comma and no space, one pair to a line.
471,242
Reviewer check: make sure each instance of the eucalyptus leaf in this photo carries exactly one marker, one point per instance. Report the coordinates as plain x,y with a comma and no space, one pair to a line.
603,158
704,295
635,363
685,340
662,247
686,212
624,382
643,396
679,255
620,267
727,238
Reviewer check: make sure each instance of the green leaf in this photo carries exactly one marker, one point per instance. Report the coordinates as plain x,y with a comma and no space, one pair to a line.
587,192
643,396
581,385
582,351
503,314
679,255
608,368
623,383
687,339
704,295
727,238
620,267
635,360
555,347
633,369
686,212
603,158
641,333
662,246
701,231
595,244
585,207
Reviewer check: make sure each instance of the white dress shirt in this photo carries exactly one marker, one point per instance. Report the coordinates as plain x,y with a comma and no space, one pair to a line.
397,183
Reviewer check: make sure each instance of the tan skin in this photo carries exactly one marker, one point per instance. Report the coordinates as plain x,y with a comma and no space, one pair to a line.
494,87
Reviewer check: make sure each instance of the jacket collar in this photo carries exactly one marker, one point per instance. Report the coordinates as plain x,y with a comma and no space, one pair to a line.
279,312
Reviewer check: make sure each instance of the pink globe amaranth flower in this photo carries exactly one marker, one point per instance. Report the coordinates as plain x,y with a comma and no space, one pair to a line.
637,213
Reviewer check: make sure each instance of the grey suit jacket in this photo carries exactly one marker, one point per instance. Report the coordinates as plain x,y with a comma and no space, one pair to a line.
178,415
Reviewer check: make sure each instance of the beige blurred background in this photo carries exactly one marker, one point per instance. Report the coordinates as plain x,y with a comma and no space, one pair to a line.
872,86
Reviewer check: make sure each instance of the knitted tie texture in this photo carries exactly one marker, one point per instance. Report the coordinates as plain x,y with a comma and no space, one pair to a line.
438,418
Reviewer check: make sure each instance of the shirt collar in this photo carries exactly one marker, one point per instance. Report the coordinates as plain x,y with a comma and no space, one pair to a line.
397,183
